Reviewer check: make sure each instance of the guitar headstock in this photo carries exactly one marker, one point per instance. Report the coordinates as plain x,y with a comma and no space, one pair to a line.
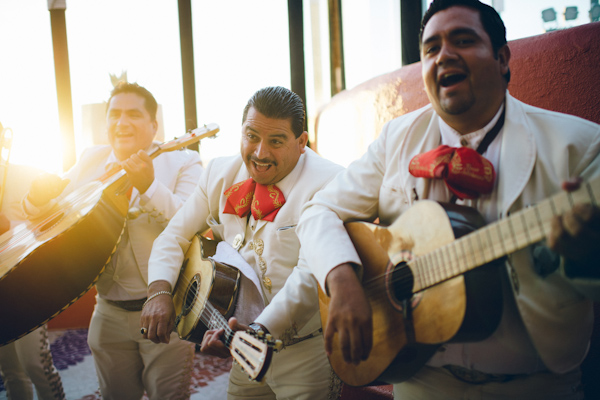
193,136
254,352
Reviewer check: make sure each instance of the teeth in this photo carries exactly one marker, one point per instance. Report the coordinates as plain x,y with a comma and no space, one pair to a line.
261,165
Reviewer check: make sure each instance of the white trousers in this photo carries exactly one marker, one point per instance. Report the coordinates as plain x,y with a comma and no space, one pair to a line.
127,364
298,372
439,384
27,362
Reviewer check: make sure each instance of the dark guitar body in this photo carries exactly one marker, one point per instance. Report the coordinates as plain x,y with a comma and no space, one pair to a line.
56,260
203,284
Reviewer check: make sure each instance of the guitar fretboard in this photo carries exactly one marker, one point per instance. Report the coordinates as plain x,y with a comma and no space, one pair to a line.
519,230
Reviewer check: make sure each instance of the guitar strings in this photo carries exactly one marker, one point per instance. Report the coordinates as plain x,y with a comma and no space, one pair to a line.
207,312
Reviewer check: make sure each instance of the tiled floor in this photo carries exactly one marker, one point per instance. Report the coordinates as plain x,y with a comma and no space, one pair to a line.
76,367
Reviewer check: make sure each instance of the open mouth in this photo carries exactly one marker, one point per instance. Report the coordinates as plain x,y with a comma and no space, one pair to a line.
448,80
261,167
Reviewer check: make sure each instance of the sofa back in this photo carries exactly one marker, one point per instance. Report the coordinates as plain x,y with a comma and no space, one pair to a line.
558,70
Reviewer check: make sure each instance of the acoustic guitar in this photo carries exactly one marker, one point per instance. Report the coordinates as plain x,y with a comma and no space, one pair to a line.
47,263
205,296
429,281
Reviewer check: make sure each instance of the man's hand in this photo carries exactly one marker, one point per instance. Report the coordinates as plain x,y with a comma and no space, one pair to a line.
45,188
212,343
349,315
576,234
158,316
140,170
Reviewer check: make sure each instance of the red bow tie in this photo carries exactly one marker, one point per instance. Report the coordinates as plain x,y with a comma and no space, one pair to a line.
264,201
466,173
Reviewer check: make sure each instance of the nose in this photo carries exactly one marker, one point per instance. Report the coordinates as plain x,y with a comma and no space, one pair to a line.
122,119
261,151
445,54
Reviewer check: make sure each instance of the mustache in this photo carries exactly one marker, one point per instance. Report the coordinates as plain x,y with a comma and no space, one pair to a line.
262,161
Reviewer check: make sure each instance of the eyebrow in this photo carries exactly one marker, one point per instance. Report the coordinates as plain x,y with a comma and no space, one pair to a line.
270,136
453,33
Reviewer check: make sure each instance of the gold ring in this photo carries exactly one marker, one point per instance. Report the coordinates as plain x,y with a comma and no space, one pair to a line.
144,331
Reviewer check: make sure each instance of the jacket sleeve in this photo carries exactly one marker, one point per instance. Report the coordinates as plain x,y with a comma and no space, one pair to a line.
165,201
169,248
352,195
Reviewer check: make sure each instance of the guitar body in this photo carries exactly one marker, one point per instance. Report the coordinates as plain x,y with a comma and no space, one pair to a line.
205,295
201,281
48,263
407,328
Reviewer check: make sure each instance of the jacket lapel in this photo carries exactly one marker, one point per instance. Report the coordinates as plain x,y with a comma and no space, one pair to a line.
517,156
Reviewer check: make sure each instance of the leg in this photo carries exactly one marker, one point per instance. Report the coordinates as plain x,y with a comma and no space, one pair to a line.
17,383
302,372
116,352
34,354
167,367
439,384
240,388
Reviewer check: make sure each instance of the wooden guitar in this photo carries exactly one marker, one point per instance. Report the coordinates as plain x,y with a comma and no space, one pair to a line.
205,295
430,282
46,264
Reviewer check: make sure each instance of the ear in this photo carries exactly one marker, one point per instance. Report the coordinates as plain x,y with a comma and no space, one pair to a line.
302,141
504,58
154,128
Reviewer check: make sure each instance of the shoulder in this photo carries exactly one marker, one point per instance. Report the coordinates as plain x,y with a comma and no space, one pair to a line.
314,160
423,114
179,157
224,165
552,122
222,171
94,155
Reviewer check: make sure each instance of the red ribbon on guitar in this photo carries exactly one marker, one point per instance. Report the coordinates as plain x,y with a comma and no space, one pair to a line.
263,201
466,173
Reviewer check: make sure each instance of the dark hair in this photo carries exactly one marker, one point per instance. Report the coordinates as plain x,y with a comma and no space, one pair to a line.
490,19
279,103
149,101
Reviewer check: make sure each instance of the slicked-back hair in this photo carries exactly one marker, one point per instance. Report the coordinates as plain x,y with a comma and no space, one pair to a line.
150,103
278,103
490,20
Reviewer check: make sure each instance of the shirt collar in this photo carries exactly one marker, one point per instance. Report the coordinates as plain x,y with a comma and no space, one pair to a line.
453,138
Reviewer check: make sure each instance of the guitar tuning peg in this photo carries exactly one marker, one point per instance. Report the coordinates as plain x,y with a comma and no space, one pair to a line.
278,345
269,337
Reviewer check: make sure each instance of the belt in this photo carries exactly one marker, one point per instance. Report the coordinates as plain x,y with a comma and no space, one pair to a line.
128,305
291,341
478,377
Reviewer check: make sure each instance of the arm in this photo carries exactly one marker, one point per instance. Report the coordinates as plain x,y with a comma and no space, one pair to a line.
353,195
165,261
155,195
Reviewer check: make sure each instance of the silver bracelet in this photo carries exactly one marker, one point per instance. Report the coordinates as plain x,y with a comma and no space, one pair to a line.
155,295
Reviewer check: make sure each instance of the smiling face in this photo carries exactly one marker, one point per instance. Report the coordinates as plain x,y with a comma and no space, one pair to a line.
130,127
463,77
269,148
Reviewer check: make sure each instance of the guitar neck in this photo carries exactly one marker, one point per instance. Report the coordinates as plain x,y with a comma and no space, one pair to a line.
213,319
494,241
192,137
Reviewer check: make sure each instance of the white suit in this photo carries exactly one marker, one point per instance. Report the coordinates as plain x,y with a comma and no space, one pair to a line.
539,150
126,363
293,287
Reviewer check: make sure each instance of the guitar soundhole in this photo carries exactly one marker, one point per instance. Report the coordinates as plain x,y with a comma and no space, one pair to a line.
191,295
399,283
52,222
